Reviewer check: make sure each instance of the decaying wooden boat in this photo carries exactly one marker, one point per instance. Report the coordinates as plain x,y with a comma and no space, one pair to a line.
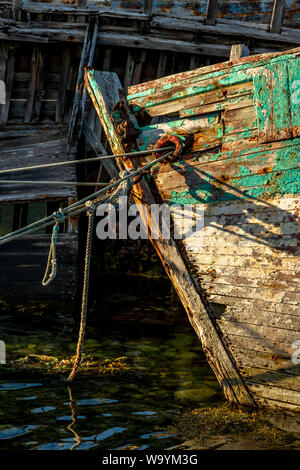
239,122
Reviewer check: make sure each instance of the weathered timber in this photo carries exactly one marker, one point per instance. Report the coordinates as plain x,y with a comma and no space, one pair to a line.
98,148
35,89
60,106
148,5
36,149
8,83
277,16
79,89
238,51
211,12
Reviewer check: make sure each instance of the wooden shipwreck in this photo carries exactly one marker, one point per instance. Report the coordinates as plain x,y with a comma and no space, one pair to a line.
240,123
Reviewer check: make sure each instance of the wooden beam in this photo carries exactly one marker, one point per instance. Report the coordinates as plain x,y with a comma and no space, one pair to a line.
238,51
228,28
134,67
40,90
129,69
155,42
9,78
194,62
211,12
225,29
148,5
3,61
98,148
17,6
32,84
79,88
60,106
277,16
44,8
82,3
92,48
140,60
162,65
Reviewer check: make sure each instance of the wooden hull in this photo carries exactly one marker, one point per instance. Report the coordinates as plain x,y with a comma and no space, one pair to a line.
248,269
240,283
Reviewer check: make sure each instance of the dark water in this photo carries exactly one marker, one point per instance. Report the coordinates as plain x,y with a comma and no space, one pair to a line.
168,373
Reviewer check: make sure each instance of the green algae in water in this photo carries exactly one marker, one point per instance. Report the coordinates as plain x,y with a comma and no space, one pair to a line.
131,409
232,427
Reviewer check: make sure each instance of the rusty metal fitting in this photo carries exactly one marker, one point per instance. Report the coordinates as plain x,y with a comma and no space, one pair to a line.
166,141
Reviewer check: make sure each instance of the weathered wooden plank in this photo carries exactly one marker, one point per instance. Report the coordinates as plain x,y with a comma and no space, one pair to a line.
236,261
91,53
171,93
211,12
261,317
137,72
275,393
227,27
79,88
129,69
3,61
238,280
98,148
268,362
277,16
271,378
39,91
228,173
9,76
32,150
294,81
238,51
32,84
219,71
268,346
272,102
278,335
243,304
148,5
60,106
82,3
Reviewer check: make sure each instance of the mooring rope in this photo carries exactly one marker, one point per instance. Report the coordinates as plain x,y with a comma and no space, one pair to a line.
87,262
83,160
69,210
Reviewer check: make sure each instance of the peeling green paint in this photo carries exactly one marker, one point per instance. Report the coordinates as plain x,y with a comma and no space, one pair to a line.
283,177
141,94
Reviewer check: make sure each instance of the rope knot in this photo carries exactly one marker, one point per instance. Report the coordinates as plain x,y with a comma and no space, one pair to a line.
90,207
59,215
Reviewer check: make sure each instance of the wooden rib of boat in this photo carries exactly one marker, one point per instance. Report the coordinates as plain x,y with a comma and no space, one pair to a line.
240,165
